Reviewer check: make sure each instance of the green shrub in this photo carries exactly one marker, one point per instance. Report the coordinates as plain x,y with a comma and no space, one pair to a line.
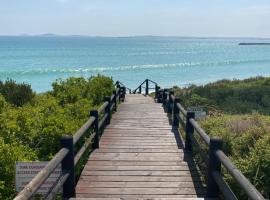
32,130
256,165
69,90
9,154
235,97
3,104
98,88
16,93
247,143
73,89
239,113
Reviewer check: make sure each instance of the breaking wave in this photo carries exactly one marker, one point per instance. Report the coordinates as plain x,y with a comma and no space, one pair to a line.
80,70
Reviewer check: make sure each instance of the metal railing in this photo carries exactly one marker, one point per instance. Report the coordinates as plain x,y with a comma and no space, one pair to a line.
67,157
216,185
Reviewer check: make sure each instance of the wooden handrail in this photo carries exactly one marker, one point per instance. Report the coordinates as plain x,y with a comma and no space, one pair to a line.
223,186
134,91
57,186
66,153
182,109
32,187
201,132
83,129
102,107
216,157
119,84
153,82
102,121
146,82
101,117
84,148
249,189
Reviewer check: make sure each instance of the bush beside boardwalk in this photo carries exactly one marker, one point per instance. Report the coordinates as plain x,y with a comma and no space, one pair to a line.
30,129
239,113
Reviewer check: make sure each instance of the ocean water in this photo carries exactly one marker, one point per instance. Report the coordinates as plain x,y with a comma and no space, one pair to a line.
169,61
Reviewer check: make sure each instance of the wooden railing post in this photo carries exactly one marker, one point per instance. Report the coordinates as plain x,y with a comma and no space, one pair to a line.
119,92
108,109
170,104
214,164
175,113
159,97
122,93
146,87
94,113
115,100
140,89
119,96
117,84
156,91
68,166
189,130
164,97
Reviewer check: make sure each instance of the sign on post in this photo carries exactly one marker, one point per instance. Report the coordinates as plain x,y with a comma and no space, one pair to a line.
26,171
200,112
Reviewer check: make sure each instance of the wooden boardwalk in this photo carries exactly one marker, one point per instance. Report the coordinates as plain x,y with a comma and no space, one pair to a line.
140,157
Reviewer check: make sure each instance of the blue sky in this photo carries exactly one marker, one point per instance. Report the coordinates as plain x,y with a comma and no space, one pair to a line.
228,18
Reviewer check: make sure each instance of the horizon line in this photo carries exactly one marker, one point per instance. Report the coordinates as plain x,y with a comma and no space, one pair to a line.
136,36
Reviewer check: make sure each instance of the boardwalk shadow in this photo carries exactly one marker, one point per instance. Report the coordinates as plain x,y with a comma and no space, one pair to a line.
193,168
188,158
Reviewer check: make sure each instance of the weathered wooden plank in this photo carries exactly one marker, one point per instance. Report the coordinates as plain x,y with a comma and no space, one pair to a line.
136,163
143,143
143,197
186,173
130,155
139,158
141,178
138,134
138,146
140,168
140,191
87,184
139,150
139,140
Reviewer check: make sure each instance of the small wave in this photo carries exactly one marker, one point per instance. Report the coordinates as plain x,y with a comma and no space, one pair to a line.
123,68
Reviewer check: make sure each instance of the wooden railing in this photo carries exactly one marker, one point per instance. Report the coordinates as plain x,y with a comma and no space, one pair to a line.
216,158
67,157
121,85
146,87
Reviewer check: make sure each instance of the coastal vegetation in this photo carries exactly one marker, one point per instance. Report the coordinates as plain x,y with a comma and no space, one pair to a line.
239,113
31,124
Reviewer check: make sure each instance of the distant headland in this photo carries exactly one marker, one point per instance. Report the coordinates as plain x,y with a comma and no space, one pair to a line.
254,43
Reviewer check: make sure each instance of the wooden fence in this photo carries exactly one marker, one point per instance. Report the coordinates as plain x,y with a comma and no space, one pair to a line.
97,121
216,158
68,157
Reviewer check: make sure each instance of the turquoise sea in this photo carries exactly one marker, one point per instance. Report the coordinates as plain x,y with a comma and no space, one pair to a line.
39,60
